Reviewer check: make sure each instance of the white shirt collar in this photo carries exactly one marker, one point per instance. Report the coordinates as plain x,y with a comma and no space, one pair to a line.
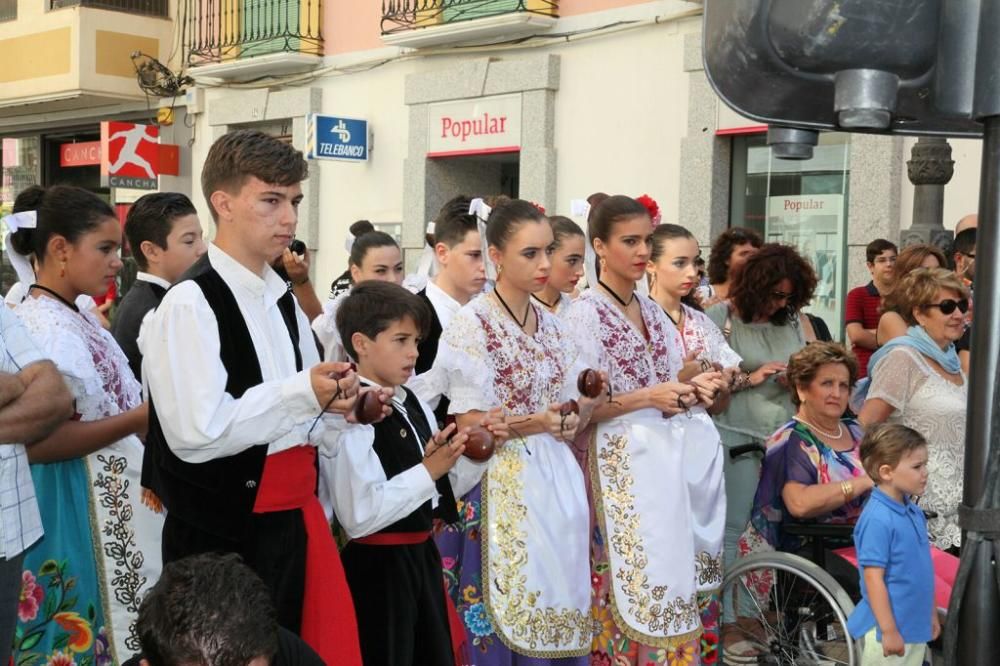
442,299
152,279
236,274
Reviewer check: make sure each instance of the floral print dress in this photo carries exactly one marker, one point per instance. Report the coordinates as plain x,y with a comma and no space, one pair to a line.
83,581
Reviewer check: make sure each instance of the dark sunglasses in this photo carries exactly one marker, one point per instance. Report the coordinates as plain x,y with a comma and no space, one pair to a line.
948,306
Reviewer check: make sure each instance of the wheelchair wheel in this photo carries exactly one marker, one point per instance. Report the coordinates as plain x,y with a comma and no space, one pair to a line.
788,612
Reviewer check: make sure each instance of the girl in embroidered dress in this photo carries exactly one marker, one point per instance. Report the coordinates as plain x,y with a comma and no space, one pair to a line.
100,551
374,256
567,266
673,275
516,563
654,544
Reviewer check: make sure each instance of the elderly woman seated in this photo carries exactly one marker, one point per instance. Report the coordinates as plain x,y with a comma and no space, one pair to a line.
812,469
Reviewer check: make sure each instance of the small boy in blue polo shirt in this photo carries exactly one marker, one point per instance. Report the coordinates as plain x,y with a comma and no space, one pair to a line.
896,615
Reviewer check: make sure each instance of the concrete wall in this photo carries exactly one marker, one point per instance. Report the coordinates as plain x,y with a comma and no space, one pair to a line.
617,121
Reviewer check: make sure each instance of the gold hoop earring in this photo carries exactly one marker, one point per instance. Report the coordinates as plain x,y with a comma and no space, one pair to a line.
62,268
604,263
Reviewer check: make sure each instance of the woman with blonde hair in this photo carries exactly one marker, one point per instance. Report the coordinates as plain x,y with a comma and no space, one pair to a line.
917,380
892,324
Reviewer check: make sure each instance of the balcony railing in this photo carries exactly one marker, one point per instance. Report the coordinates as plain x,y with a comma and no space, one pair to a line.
223,30
8,10
142,7
402,15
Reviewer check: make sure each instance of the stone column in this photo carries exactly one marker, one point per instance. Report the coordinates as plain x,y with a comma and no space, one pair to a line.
929,169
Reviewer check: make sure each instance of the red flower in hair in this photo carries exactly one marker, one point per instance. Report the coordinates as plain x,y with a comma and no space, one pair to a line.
540,207
653,208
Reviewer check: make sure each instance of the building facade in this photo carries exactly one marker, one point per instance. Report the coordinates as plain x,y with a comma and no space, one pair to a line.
549,101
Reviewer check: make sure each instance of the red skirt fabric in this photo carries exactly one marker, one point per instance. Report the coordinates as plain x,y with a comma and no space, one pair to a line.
329,625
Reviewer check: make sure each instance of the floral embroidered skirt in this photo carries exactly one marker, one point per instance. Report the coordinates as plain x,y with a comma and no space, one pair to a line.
613,648
83,580
461,555
61,614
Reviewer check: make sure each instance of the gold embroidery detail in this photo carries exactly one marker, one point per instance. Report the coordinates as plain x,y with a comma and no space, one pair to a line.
511,606
709,569
617,512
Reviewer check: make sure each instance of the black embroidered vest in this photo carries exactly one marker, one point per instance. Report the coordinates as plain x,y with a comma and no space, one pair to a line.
217,496
397,452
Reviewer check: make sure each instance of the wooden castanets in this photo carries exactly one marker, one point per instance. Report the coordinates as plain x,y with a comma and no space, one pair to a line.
368,408
480,445
589,383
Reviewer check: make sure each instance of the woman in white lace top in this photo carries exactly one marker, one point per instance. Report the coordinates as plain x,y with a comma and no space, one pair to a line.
101,549
917,380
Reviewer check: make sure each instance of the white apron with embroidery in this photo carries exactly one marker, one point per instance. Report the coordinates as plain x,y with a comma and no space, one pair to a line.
536,568
657,481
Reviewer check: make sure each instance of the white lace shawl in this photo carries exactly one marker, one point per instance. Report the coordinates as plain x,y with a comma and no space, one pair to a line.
91,362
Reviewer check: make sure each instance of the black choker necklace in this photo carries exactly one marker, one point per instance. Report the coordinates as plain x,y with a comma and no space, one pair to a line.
550,306
506,307
616,296
71,306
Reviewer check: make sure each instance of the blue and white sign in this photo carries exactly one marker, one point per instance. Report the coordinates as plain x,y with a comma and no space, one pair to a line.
336,138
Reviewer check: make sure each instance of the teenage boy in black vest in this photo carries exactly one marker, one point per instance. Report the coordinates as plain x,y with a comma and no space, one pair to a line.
237,395
165,236
460,278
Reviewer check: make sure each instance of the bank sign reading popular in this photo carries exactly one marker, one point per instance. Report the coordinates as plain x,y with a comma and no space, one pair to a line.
474,127
336,138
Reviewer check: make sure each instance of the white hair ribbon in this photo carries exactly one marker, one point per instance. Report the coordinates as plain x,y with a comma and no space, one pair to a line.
349,242
580,208
482,212
27,219
25,273
427,267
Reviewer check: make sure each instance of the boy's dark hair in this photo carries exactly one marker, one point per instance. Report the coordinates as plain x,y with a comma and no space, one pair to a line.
877,247
151,218
207,610
965,242
243,153
372,307
454,222
886,444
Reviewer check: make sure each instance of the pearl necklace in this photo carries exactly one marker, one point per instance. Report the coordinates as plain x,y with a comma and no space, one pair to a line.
837,435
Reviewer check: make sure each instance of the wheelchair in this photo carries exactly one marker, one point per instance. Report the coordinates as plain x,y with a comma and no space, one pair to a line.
792,609
787,608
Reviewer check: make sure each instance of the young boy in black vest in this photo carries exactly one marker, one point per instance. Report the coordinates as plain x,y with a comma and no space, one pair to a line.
239,400
460,278
385,482
165,236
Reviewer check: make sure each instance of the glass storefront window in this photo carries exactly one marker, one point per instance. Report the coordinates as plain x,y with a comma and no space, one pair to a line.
801,203
20,167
